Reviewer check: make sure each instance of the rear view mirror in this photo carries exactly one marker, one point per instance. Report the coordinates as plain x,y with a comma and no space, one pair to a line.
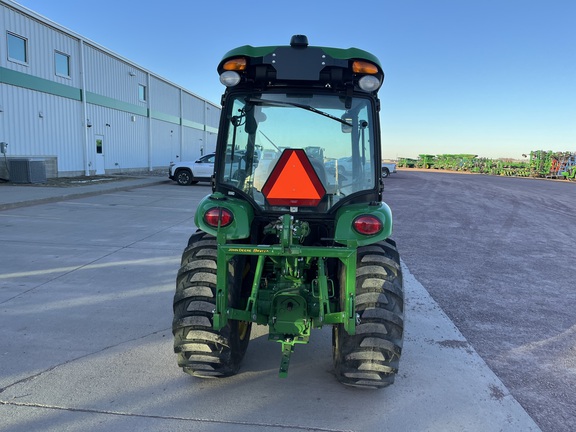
346,128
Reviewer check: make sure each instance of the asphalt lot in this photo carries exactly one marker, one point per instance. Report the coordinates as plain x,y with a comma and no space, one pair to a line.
498,255
86,287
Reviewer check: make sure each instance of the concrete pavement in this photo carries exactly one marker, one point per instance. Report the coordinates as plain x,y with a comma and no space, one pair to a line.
86,344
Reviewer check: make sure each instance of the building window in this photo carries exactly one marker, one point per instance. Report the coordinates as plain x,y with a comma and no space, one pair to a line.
17,48
62,64
142,92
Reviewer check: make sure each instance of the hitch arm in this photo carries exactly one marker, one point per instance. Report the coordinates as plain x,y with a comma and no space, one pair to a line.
287,350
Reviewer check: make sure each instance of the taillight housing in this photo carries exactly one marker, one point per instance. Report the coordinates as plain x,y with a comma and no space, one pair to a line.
367,225
218,217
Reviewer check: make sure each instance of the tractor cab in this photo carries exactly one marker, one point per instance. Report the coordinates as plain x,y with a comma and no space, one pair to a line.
304,121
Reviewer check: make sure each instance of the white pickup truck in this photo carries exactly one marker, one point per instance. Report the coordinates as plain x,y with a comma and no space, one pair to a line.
388,168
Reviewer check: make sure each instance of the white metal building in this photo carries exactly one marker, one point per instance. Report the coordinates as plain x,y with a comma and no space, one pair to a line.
84,110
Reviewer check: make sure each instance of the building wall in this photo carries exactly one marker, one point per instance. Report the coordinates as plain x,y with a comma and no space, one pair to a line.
46,115
125,141
37,124
42,42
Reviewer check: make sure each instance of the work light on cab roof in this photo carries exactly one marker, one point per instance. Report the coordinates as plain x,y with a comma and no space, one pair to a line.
277,65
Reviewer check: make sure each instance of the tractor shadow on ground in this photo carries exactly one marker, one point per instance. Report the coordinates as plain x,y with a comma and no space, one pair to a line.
307,362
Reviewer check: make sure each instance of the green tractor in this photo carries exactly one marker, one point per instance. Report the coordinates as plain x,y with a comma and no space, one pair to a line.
295,235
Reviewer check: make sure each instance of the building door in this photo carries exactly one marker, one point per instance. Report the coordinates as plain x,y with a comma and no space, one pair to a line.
99,161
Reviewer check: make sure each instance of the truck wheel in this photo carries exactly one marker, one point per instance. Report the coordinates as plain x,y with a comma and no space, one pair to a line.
385,172
370,357
203,351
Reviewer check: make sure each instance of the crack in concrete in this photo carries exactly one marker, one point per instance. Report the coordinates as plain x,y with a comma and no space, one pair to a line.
67,362
161,417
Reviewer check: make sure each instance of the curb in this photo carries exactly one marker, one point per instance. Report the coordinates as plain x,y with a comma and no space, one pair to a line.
76,195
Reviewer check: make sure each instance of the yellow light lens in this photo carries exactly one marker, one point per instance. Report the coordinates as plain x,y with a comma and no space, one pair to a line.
235,64
359,66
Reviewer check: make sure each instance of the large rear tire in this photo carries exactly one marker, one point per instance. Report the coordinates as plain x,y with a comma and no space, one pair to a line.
370,357
203,351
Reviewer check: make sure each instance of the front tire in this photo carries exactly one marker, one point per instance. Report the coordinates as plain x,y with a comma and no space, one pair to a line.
184,177
385,172
370,358
203,351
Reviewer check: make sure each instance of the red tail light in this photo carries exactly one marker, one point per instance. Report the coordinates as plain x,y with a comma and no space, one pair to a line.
367,225
218,216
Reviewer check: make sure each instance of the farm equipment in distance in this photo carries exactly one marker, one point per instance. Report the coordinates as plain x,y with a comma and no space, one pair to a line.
542,164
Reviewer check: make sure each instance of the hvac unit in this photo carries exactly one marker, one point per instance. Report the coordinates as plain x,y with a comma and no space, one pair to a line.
27,170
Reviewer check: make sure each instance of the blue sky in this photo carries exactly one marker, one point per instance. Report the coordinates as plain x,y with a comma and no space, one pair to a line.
492,78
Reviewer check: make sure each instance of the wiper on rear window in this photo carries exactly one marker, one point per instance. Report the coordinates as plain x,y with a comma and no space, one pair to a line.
297,105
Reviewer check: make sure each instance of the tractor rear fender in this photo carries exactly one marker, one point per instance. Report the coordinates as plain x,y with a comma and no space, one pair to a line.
242,211
346,216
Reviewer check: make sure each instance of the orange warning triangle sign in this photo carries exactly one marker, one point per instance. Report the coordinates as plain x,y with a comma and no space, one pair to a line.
293,181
